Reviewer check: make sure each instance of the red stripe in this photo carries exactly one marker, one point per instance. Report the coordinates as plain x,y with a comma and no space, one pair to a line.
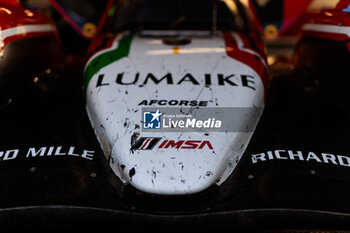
163,144
245,40
104,16
255,17
97,42
18,17
145,144
253,61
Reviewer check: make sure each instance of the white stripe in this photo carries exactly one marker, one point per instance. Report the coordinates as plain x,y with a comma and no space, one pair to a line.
327,28
146,143
24,29
185,51
242,48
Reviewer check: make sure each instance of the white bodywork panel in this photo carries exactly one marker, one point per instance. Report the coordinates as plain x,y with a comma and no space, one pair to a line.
115,113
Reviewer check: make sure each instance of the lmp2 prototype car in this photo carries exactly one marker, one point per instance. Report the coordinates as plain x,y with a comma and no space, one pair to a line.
178,125
157,97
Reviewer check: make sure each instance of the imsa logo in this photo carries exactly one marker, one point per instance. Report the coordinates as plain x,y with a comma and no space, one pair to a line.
148,143
185,144
145,143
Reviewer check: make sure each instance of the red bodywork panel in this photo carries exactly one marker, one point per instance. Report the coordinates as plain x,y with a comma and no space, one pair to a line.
333,24
14,16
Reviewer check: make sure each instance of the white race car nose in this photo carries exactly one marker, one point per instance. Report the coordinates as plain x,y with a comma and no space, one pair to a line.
156,111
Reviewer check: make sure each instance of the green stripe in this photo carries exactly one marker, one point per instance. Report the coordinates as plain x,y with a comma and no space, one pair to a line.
111,11
107,58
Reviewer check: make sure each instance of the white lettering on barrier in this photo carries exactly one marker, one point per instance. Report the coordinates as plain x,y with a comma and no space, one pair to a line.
56,151
301,156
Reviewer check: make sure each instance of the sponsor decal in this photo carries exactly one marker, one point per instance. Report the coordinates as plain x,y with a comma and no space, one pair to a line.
326,158
145,143
149,143
162,102
186,144
220,79
52,151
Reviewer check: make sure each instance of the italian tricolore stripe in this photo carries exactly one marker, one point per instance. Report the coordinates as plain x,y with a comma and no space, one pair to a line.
105,58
